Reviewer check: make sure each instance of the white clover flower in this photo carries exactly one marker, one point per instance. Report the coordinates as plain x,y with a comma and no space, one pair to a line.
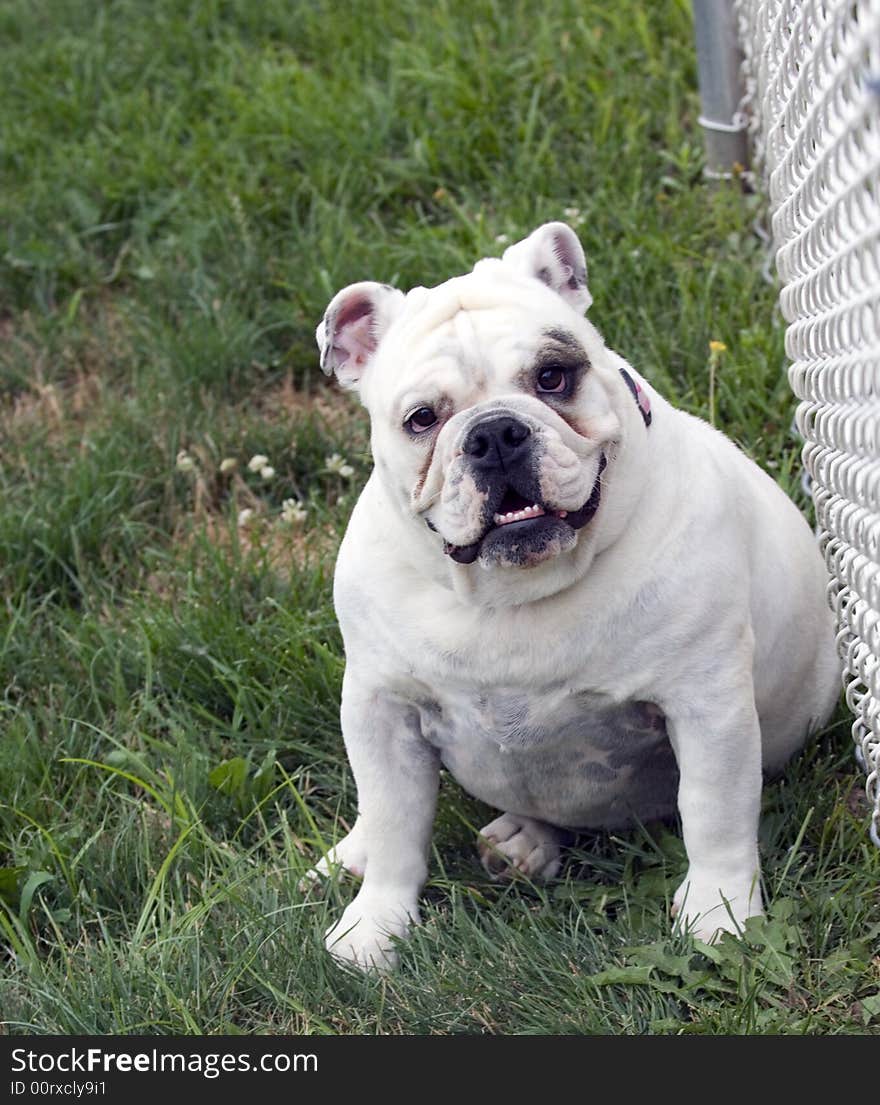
573,214
227,465
184,462
502,239
293,512
339,466
267,472
244,517
257,462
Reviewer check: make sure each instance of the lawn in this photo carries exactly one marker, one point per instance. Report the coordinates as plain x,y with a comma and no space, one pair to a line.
183,186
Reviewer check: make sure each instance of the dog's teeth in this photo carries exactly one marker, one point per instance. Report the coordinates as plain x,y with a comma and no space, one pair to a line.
533,511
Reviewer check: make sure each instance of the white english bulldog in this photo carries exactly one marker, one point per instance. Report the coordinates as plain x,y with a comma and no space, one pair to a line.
589,607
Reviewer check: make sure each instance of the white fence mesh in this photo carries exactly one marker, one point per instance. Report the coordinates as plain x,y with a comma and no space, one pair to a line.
812,74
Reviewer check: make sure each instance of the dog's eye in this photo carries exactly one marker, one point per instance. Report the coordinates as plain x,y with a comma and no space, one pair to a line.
422,419
552,380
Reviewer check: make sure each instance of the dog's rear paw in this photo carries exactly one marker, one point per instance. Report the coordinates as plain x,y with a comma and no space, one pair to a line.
513,845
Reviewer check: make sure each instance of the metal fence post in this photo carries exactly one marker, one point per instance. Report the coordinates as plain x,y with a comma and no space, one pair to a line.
719,62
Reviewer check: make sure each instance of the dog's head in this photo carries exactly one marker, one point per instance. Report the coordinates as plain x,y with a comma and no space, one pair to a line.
495,406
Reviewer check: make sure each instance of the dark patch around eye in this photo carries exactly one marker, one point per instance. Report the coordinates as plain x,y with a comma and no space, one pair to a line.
564,352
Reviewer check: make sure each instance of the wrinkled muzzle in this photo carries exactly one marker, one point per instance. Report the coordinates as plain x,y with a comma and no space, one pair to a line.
509,487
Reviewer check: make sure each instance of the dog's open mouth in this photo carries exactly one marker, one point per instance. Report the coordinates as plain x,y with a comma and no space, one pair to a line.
514,508
516,511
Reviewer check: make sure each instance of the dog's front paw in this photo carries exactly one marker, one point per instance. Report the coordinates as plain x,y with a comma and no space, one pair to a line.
350,854
513,845
364,935
706,907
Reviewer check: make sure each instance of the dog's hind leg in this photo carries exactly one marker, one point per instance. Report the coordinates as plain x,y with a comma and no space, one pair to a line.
515,845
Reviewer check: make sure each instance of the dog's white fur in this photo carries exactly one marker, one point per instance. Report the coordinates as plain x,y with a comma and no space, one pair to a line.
695,593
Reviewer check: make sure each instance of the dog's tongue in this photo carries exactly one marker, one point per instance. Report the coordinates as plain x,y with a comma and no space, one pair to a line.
462,554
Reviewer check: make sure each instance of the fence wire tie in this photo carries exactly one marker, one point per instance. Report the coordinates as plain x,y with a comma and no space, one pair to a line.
732,127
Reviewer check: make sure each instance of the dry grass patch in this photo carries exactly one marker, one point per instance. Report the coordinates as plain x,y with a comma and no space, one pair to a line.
54,390
53,407
340,412
262,541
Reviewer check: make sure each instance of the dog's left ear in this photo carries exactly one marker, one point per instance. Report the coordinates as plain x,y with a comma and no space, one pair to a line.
554,255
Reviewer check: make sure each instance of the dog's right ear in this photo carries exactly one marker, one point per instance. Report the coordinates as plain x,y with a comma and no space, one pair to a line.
354,323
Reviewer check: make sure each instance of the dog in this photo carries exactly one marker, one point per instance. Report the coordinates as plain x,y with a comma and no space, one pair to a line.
591,608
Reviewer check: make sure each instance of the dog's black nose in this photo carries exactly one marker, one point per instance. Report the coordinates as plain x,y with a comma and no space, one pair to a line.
497,442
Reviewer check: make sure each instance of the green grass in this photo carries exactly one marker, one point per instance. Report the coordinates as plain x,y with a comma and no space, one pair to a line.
182,188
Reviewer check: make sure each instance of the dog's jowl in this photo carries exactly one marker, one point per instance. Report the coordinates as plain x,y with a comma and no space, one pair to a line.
589,607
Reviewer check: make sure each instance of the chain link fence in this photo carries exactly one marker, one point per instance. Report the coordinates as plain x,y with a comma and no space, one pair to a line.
812,108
